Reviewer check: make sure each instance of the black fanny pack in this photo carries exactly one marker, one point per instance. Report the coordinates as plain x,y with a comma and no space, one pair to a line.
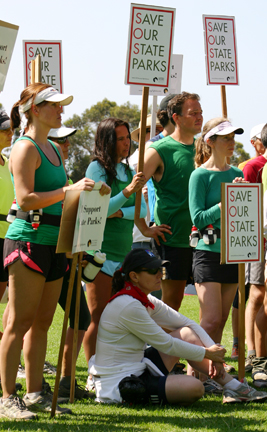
45,218
3,218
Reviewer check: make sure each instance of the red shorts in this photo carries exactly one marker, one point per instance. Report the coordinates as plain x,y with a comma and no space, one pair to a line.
39,258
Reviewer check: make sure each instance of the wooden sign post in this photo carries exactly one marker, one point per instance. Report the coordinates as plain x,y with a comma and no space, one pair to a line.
241,241
36,70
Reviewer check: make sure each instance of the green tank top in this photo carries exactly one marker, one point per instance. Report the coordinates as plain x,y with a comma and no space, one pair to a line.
118,233
172,206
48,177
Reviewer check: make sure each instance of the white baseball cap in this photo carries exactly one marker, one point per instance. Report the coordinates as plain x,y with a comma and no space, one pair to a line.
61,132
256,131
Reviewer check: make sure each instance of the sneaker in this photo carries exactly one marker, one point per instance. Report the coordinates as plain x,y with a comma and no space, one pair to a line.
47,389
43,403
228,368
244,393
79,392
260,379
21,372
178,369
90,385
49,368
248,363
211,387
14,407
234,354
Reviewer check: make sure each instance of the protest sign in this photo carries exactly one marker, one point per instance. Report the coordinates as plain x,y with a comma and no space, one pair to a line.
242,223
51,63
90,221
150,42
175,80
220,50
8,35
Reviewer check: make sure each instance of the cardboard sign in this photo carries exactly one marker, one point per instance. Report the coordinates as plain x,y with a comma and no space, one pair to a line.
241,223
8,35
150,42
51,61
220,50
90,221
175,80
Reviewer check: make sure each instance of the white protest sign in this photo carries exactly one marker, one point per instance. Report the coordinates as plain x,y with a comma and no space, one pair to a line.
8,35
220,50
175,80
150,40
90,221
51,61
242,223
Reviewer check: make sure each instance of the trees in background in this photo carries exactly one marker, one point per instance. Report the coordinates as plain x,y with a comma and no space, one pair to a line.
240,154
82,143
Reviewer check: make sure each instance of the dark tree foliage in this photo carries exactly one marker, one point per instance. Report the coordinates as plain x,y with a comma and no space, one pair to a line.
240,154
82,143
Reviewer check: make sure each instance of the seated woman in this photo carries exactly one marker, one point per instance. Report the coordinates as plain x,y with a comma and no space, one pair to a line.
131,320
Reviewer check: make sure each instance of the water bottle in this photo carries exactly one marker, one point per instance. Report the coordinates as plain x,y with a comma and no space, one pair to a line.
209,235
194,237
94,265
12,212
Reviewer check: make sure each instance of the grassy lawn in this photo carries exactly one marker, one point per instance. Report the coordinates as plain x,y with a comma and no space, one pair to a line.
208,414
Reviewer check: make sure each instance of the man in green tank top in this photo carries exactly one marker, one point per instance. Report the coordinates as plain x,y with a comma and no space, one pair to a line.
170,162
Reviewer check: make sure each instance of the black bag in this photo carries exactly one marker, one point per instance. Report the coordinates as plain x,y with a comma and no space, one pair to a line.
133,390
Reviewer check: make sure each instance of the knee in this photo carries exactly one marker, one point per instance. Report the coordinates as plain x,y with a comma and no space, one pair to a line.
211,323
256,295
197,391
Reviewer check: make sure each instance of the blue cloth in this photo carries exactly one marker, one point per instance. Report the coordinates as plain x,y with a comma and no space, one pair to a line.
150,186
96,172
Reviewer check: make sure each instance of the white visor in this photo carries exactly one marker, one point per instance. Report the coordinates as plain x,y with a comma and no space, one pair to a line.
224,128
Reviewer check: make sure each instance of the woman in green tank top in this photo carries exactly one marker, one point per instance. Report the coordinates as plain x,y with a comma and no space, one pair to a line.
35,270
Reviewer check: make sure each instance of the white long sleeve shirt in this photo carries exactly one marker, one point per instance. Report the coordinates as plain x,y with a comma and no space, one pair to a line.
125,328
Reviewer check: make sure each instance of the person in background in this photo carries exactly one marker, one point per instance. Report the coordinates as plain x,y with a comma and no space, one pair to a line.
61,136
170,162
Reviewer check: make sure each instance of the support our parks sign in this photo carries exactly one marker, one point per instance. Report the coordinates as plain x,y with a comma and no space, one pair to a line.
220,50
241,223
150,42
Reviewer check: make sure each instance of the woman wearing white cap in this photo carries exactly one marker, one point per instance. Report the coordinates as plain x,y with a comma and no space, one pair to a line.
35,270
215,284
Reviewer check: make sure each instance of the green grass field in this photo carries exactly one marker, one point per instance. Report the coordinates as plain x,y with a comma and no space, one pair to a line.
208,414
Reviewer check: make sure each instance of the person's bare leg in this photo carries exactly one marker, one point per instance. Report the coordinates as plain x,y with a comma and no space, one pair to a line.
67,352
255,301
227,295
209,295
173,293
98,294
25,292
35,340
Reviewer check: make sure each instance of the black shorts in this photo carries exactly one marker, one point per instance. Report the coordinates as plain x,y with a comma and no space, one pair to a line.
207,268
84,315
155,385
39,258
181,262
3,273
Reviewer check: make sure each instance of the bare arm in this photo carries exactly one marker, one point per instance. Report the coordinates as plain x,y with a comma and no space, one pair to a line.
24,161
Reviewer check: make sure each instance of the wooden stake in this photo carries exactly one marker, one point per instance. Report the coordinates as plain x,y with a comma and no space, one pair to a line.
38,75
224,104
142,136
64,331
76,324
241,321
32,71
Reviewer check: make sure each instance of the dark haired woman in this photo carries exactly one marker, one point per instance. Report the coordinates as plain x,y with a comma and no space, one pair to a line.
35,270
112,146
132,319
